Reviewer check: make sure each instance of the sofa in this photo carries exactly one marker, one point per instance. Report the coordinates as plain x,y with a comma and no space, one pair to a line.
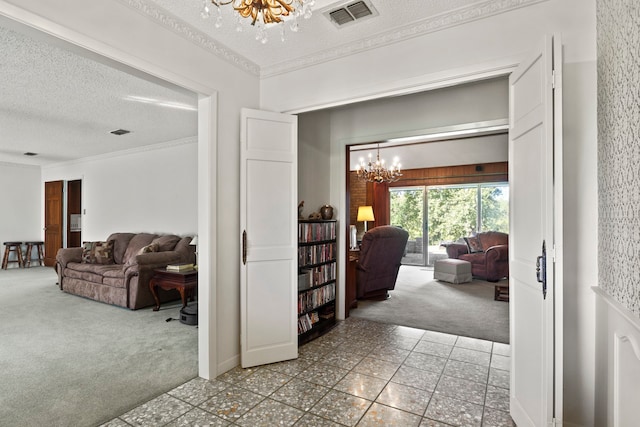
379,261
118,270
488,253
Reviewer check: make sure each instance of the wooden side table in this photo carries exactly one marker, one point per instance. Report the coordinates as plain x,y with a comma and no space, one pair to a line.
350,293
186,282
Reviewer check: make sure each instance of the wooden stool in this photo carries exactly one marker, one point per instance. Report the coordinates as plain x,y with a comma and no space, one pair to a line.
12,247
30,245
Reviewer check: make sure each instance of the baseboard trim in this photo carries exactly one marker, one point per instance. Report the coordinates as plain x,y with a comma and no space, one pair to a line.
228,364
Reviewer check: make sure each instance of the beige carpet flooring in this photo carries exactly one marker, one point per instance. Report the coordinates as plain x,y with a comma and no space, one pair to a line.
70,361
418,301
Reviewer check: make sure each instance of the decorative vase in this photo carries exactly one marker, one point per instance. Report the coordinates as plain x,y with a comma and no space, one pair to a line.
326,212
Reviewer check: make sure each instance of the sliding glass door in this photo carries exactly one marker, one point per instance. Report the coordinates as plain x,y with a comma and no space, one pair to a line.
437,215
407,206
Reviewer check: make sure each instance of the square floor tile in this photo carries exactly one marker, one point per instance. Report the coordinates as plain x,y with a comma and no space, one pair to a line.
403,397
323,374
359,346
426,422
501,362
406,331
495,418
232,403
343,359
300,394
378,415
341,407
426,362
454,412
474,344
399,341
198,390
501,349
413,377
377,368
433,348
236,374
361,385
156,412
390,354
270,413
310,420
460,389
289,367
497,398
439,337
264,381
499,378
470,356
466,371
200,418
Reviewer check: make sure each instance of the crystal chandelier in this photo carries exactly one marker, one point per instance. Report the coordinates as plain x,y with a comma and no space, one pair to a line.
262,13
377,171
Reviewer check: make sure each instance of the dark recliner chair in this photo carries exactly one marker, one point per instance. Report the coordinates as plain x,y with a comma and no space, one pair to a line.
379,261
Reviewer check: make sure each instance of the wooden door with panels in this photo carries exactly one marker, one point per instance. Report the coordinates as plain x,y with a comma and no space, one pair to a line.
53,221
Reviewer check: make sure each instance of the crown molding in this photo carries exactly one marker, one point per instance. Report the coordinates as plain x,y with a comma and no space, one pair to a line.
128,152
19,165
190,33
426,26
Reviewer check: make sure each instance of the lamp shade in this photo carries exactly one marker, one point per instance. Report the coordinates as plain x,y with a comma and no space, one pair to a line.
365,213
194,241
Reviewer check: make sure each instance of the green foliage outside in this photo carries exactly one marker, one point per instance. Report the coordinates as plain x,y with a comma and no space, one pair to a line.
452,212
406,211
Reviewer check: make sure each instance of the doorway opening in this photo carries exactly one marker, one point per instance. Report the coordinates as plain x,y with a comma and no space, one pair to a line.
436,216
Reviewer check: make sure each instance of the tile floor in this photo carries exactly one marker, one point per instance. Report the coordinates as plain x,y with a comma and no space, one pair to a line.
361,373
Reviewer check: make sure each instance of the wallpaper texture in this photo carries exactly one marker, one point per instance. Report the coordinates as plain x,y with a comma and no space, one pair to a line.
618,25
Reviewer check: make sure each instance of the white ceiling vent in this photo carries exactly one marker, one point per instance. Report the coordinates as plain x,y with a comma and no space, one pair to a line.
349,13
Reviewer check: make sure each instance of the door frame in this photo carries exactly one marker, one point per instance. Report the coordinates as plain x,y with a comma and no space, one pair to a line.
340,148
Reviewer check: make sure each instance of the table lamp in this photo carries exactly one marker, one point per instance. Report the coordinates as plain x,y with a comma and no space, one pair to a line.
194,242
365,213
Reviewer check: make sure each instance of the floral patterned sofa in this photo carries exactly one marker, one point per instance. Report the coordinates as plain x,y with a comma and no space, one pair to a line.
118,270
487,252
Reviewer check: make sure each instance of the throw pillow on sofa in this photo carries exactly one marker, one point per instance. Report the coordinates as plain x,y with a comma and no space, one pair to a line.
474,245
97,252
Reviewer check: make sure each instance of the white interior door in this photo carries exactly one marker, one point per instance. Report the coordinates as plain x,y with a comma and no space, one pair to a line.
268,217
536,218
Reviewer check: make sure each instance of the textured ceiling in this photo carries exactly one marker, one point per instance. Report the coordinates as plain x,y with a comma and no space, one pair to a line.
61,103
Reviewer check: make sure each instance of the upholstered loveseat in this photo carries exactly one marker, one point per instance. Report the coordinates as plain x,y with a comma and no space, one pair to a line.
118,270
487,252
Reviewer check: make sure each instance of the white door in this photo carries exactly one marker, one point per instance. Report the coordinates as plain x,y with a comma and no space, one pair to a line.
535,176
268,220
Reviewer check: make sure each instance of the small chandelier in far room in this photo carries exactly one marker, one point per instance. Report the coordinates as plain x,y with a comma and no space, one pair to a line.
262,13
377,171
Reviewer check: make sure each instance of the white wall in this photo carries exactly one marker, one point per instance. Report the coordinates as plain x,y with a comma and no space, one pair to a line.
435,59
446,57
151,190
21,203
580,240
313,160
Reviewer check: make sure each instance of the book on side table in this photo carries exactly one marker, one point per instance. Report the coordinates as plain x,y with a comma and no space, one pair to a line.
179,267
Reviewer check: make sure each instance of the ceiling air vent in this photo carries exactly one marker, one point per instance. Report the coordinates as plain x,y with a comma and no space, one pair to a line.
29,153
120,132
349,13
